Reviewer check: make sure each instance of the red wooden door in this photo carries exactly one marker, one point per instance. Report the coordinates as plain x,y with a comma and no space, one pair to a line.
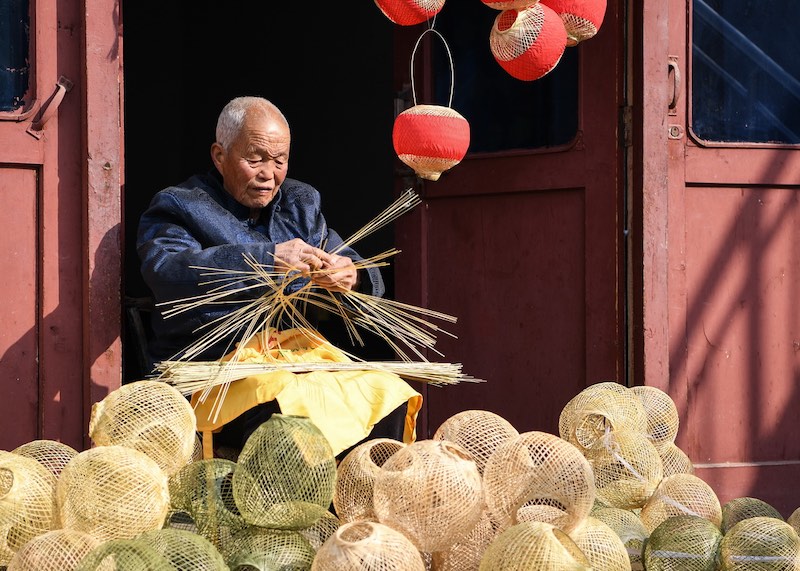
523,244
58,183
728,283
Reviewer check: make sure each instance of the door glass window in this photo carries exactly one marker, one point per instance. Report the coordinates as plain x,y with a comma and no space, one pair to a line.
14,60
746,71
504,113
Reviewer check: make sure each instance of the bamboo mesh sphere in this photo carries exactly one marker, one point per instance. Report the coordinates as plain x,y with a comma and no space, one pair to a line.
674,460
149,416
681,494
739,509
51,454
112,492
662,415
26,502
285,475
60,549
319,532
534,545
124,555
186,551
538,476
794,520
760,544
368,546
431,492
204,491
269,549
479,432
528,43
582,18
685,542
355,479
509,4
627,468
409,12
602,546
630,530
466,553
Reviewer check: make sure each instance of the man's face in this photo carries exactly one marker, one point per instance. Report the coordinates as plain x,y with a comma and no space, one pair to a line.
255,166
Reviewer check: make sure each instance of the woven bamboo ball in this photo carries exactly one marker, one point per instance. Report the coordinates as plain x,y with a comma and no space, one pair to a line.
479,432
269,549
685,542
509,4
661,412
534,545
51,454
629,529
538,476
739,509
582,18
204,491
794,520
26,502
355,479
674,460
602,546
528,43
151,417
321,530
467,552
760,544
61,549
627,468
185,550
124,555
681,494
368,546
112,492
285,475
409,12
431,492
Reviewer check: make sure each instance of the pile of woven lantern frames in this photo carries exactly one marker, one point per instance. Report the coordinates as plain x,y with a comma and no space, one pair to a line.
528,39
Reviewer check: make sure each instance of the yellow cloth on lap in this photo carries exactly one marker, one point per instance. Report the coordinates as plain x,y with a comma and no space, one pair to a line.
344,405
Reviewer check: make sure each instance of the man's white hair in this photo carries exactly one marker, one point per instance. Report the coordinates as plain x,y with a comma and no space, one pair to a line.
232,116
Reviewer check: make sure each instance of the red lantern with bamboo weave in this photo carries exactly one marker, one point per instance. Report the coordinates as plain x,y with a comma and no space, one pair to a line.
528,43
430,138
409,12
582,18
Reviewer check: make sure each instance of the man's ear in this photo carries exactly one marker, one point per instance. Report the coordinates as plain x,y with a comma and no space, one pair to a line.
217,155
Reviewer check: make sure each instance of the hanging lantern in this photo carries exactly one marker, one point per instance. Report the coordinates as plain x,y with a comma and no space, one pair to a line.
582,18
430,139
509,4
409,12
528,43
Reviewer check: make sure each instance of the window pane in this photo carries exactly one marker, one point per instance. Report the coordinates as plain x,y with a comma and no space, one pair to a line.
14,63
746,71
504,113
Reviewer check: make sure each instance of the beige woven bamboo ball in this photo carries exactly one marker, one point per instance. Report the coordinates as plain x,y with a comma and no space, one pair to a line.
739,509
598,409
269,549
760,544
51,454
368,546
681,494
60,549
285,475
674,460
661,412
151,417
466,553
539,476
602,546
629,528
112,492
627,468
124,555
187,551
355,479
479,432
794,520
534,545
431,492
26,502
685,542
319,532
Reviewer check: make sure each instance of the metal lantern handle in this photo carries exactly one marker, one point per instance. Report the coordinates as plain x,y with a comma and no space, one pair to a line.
449,57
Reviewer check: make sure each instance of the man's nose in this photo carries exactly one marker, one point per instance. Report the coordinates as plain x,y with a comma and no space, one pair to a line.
265,172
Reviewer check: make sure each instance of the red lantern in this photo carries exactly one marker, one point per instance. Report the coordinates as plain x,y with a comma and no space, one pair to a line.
528,43
430,139
509,4
582,18
409,12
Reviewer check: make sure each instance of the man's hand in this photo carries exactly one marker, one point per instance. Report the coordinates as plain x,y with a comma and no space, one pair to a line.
297,255
338,274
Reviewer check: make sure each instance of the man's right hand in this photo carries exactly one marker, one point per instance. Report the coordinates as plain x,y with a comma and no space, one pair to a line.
297,255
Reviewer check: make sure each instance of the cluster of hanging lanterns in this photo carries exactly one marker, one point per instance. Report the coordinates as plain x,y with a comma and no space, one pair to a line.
527,40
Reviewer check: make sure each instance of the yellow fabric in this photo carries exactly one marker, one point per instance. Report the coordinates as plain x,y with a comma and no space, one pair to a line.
344,405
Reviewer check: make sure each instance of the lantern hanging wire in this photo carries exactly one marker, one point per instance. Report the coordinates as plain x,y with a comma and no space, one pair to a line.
449,58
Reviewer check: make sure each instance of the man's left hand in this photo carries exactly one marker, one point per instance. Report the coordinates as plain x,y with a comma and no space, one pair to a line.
337,274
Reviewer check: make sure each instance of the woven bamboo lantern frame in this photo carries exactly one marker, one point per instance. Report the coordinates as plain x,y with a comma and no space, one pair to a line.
367,545
479,432
681,494
534,545
739,509
760,544
51,454
61,549
685,542
602,546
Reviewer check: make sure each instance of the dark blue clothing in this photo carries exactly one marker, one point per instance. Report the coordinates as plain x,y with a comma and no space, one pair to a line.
197,223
